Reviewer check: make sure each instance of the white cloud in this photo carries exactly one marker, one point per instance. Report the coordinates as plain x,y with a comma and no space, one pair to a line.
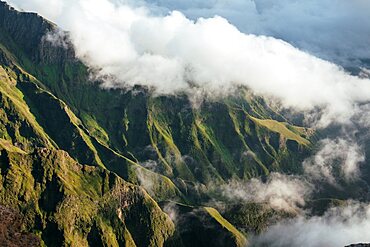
146,180
51,9
340,154
57,38
171,210
338,227
333,29
281,192
172,53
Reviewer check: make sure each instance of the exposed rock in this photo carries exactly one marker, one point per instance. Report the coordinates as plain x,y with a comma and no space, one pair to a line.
11,234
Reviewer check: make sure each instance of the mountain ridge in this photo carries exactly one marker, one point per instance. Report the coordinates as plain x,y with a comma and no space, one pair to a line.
54,121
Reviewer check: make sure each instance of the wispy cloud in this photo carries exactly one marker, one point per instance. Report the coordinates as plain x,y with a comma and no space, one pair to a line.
281,192
335,158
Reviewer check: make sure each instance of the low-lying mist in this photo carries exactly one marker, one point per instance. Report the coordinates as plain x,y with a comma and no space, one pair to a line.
339,226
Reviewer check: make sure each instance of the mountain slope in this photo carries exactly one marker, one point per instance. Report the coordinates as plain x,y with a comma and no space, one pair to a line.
65,202
61,201
87,165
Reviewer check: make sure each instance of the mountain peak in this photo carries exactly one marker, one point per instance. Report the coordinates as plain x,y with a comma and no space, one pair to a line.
28,32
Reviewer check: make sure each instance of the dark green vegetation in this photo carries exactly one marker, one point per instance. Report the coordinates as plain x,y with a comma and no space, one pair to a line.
253,217
87,166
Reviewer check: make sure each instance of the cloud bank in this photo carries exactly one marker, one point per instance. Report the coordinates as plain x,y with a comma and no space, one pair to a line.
333,29
336,30
171,53
338,227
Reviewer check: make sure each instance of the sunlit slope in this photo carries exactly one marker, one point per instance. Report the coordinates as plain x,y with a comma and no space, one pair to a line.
68,204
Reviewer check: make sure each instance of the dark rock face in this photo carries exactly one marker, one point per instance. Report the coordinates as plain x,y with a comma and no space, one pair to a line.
18,25
56,51
28,31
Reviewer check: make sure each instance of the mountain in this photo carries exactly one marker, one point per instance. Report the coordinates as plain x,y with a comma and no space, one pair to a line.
86,166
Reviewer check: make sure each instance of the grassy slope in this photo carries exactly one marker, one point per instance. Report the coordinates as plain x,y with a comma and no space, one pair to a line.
216,140
62,128
282,129
18,124
190,231
68,204
240,239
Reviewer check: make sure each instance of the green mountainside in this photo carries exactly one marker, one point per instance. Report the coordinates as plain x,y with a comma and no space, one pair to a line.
85,166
